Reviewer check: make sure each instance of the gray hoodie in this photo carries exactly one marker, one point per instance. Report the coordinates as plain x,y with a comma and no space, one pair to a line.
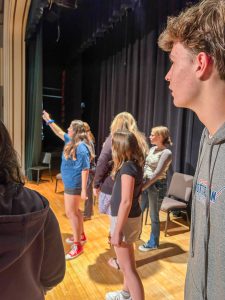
205,279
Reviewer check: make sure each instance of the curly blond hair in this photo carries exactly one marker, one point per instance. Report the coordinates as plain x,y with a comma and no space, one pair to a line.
200,28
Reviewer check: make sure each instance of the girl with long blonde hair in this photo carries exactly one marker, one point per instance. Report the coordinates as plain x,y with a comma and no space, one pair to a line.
103,182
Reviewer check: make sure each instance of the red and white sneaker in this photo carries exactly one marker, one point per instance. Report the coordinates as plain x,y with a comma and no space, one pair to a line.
75,251
70,240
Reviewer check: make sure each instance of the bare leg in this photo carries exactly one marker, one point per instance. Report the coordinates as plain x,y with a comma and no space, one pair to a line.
74,214
132,281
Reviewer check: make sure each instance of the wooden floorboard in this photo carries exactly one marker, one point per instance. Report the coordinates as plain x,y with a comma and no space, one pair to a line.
89,277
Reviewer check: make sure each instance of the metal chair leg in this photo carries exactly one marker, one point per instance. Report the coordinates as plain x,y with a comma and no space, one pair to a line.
166,225
50,174
188,219
38,176
56,183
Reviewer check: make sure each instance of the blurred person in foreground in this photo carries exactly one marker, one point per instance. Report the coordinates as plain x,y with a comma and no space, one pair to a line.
31,251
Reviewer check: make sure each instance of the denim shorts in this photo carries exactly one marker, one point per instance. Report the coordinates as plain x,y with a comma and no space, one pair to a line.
73,191
104,203
131,230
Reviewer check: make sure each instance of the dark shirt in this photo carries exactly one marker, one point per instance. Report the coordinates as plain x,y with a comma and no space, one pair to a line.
132,169
102,179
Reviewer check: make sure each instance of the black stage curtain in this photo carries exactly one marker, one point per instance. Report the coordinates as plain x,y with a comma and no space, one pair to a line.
129,69
34,84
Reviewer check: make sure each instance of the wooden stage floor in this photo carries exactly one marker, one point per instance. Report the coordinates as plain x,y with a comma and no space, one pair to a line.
88,277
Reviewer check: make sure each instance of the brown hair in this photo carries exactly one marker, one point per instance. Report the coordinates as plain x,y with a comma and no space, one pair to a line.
125,147
79,135
125,121
200,28
9,163
164,132
90,135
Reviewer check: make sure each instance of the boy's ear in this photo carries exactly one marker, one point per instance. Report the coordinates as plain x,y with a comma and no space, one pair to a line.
204,65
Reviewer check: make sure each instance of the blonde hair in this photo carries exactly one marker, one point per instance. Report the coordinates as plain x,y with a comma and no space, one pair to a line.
199,28
164,132
125,121
125,147
79,135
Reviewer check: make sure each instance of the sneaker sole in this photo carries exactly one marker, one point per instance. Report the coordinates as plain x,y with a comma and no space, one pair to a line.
116,295
147,249
68,242
72,257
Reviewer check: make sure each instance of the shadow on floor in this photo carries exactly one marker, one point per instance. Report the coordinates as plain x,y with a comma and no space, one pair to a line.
101,272
166,250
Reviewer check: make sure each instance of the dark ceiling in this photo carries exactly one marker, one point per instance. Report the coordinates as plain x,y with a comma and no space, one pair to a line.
70,31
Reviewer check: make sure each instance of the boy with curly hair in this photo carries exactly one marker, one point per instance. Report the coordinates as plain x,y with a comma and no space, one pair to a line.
196,42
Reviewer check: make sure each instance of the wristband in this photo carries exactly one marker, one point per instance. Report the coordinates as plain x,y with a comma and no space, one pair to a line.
50,121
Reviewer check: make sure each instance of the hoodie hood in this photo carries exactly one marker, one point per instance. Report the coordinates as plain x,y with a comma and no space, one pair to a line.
22,218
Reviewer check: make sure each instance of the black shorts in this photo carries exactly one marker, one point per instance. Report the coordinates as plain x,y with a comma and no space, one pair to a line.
73,191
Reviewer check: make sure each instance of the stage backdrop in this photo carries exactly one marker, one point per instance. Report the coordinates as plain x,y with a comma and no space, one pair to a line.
109,55
125,71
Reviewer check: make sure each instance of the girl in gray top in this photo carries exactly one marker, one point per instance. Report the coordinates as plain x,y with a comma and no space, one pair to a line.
155,171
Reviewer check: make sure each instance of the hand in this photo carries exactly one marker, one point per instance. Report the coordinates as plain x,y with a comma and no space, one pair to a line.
96,191
83,195
143,188
45,116
117,239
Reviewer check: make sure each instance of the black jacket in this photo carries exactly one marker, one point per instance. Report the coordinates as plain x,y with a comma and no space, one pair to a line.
31,251
102,179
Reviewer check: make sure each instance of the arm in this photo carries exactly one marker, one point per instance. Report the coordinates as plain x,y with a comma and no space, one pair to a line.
127,190
103,168
96,191
53,264
55,128
83,155
163,163
84,180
